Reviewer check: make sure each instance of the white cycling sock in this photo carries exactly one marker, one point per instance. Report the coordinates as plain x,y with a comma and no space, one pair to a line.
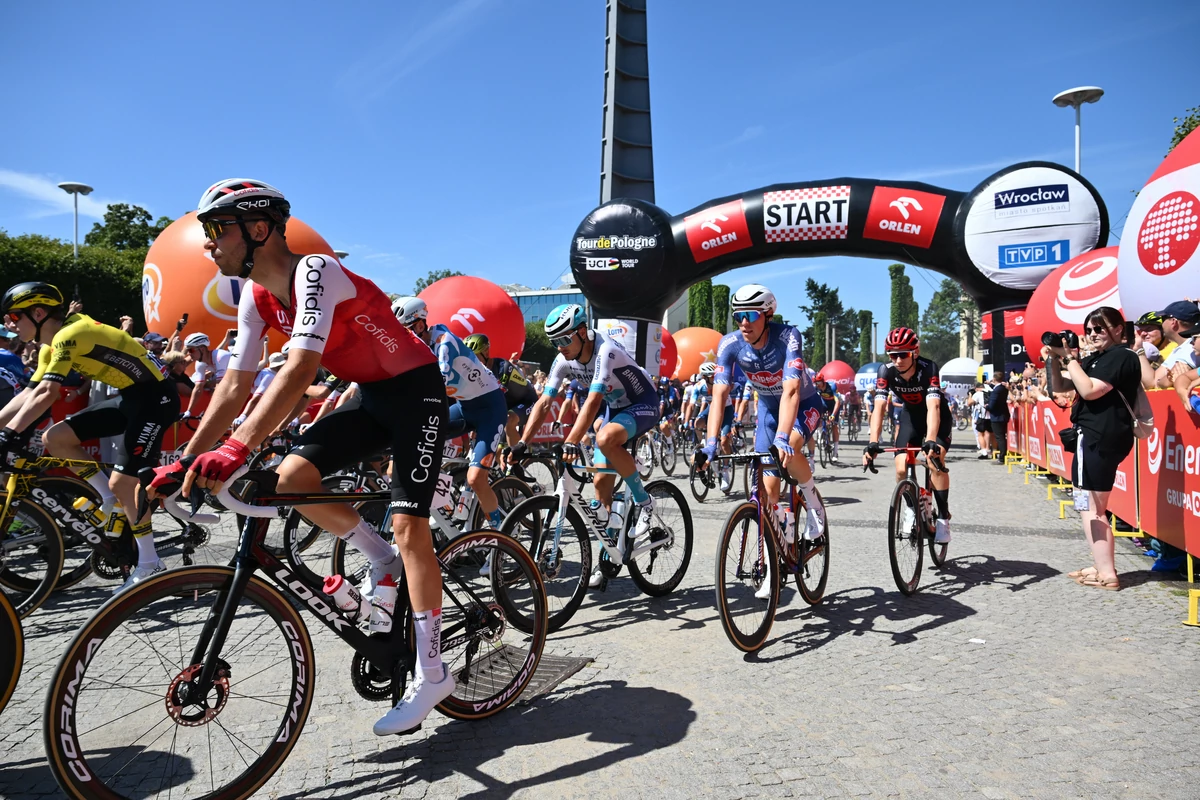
363,538
99,482
146,553
429,643
809,490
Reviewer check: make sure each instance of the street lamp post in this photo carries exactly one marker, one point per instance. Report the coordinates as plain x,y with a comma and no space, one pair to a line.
875,341
1075,98
76,189
341,254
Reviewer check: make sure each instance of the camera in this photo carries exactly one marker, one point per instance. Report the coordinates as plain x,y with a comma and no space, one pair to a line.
1052,339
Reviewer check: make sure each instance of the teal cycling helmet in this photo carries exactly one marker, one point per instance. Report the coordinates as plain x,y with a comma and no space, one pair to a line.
564,319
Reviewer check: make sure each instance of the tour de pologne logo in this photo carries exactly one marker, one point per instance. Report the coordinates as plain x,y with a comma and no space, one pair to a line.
1085,286
1168,237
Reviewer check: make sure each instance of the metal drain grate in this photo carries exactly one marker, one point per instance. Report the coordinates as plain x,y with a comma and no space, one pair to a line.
551,671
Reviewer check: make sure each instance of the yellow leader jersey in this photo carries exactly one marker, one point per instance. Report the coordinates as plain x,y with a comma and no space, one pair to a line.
97,351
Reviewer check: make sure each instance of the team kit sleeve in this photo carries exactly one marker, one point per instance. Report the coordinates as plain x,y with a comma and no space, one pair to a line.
604,354
554,380
43,365
727,350
320,284
882,379
59,356
793,359
251,328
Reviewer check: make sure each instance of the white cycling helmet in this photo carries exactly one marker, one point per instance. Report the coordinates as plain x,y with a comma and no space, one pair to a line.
241,197
410,309
196,340
708,368
753,297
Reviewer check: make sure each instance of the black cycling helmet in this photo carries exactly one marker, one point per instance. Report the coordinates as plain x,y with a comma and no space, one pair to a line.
27,296
244,199
1148,319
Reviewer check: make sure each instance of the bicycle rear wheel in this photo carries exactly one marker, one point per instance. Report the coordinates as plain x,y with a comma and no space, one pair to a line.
746,561
645,456
905,537
658,571
12,650
119,720
813,558
493,626
510,491
540,471
564,569
77,553
667,455
31,556
698,480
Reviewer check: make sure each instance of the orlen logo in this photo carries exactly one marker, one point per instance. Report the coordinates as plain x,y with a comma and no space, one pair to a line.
1056,456
221,296
152,286
1085,286
1154,451
1169,233
463,317
717,231
904,216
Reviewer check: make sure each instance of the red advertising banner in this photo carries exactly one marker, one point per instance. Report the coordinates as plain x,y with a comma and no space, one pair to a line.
544,434
1053,420
1036,441
1014,428
1123,501
1169,475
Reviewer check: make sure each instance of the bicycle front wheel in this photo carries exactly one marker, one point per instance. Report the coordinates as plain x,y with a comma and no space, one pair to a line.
124,715
493,625
667,455
645,457
565,562
813,570
12,650
905,537
747,567
698,480
659,570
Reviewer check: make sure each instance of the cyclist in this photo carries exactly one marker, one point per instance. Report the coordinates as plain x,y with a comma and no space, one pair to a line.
853,407
519,395
211,366
788,407
480,401
708,372
925,420
338,318
145,406
624,389
828,393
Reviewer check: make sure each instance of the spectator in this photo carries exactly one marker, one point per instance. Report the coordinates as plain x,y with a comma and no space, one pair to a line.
261,382
155,344
1107,386
1185,380
1183,355
997,407
210,367
983,421
1176,318
177,362
10,358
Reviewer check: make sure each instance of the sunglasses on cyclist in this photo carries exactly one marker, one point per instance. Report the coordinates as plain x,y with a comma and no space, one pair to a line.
562,341
215,228
746,316
13,316
899,356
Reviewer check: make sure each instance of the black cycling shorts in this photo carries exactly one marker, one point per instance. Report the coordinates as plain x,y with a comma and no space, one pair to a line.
407,413
913,428
140,414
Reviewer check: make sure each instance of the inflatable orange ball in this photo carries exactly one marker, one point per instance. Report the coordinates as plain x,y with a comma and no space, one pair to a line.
694,346
468,305
180,278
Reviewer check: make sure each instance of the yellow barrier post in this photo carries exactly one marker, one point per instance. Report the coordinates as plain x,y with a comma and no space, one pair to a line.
1193,617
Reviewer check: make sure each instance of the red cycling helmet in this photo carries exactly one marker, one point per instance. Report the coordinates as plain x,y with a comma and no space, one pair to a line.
901,340
820,376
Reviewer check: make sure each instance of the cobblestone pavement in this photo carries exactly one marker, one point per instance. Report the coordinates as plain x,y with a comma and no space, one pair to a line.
1000,678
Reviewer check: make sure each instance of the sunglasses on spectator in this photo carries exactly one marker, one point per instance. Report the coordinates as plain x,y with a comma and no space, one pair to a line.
746,316
1095,329
562,341
898,356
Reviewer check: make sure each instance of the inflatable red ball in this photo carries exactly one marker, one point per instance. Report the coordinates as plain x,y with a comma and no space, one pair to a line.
469,305
1069,294
840,373
694,346
668,355
179,278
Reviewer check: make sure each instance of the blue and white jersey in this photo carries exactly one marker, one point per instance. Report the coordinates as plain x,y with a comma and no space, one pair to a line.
779,360
618,377
465,376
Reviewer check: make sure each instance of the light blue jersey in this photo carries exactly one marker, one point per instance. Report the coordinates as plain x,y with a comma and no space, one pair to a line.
465,376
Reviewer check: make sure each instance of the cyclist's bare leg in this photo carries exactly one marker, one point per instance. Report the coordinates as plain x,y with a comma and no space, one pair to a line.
477,479
415,543
510,429
611,439
603,485
297,475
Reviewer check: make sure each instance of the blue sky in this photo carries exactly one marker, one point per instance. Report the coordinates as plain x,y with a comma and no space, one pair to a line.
466,135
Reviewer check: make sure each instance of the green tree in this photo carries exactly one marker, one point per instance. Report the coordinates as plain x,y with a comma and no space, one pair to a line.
434,276
1185,125
866,350
817,347
125,227
823,299
720,301
778,318
904,311
700,304
109,281
537,345
942,321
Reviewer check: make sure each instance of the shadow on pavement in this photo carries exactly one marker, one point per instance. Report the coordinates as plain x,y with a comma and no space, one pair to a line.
149,777
624,605
639,720
961,573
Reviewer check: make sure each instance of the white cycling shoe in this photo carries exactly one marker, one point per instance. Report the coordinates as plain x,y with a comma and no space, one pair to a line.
597,579
645,520
139,574
376,574
419,699
764,591
942,532
815,527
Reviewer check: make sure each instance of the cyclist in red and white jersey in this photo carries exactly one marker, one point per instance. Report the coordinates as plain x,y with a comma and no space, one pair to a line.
344,322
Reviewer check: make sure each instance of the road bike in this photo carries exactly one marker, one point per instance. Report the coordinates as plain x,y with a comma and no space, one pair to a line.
664,449
824,441
12,649
912,520
853,423
198,681
754,555
555,529
710,476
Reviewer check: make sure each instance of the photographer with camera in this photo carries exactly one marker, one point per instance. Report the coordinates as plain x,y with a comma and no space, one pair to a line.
1107,383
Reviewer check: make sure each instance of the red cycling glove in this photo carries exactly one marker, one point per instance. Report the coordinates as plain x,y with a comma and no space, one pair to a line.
168,478
219,464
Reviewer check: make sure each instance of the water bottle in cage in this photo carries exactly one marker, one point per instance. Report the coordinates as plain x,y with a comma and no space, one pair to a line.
464,502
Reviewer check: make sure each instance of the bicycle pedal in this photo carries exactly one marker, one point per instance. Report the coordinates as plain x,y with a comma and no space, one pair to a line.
407,732
603,585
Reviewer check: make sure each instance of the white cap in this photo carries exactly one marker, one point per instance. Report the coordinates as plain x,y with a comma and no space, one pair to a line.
276,360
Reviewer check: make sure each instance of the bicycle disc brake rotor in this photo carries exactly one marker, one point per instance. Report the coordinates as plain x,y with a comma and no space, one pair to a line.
487,622
369,682
550,564
190,711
